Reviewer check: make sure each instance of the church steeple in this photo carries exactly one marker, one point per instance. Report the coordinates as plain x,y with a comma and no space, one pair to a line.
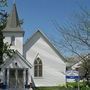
13,22
13,19
13,32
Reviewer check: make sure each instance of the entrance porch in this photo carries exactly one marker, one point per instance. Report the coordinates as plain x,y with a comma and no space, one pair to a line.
16,79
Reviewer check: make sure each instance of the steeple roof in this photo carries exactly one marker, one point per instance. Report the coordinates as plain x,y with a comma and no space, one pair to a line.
13,20
13,23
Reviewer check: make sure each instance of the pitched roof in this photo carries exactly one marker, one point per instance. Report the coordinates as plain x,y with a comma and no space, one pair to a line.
13,23
9,60
48,41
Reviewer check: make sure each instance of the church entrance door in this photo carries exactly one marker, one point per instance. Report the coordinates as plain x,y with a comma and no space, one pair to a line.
16,78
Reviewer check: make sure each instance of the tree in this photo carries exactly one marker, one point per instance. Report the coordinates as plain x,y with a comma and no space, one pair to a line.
4,47
3,3
76,39
84,70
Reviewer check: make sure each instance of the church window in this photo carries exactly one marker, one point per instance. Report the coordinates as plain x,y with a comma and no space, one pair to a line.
38,68
12,40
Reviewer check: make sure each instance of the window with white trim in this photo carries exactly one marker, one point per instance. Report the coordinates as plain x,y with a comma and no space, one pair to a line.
38,68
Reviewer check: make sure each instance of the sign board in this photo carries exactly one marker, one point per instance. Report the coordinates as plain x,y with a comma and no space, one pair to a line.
72,75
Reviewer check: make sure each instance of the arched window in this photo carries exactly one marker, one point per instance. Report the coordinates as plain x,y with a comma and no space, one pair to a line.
38,68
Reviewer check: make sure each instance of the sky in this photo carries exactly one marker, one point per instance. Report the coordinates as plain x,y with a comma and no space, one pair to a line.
40,14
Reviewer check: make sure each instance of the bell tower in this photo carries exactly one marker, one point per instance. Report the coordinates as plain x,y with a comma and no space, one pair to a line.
13,32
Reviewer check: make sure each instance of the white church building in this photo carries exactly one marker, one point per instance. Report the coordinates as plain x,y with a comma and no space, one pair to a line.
37,62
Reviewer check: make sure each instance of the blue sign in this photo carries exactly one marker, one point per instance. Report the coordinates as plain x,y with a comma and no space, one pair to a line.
72,77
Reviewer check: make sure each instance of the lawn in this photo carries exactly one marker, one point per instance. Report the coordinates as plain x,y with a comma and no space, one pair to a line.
70,86
60,88
49,88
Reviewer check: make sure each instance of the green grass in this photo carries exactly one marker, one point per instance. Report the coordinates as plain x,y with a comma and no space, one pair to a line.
60,88
70,86
49,88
